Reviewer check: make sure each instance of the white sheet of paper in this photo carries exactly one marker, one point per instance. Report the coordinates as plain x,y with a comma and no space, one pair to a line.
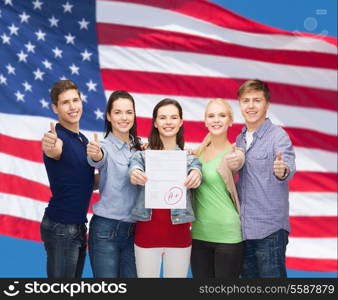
166,171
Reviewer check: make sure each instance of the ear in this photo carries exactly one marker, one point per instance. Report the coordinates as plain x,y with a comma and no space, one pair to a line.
55,109
108,117
181,123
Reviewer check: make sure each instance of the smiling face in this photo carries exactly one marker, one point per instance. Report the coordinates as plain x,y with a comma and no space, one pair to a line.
168,121
121,116
218,118
254,108
69,108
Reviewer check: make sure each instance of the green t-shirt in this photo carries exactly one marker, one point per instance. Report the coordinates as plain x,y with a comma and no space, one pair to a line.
216,217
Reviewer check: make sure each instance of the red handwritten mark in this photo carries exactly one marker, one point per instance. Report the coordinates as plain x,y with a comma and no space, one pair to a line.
173,195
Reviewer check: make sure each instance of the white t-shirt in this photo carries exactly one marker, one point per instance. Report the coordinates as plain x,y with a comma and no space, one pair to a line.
249,138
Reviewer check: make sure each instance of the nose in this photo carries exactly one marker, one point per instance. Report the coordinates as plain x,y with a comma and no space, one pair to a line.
124,116
251,103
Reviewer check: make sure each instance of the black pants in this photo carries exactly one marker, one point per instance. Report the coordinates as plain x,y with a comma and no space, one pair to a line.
216,260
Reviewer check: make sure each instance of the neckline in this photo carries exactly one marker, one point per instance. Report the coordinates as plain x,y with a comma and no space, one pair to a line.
215,157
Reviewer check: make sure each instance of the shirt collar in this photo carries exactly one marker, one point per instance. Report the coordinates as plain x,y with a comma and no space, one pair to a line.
60,127
117,142
261,129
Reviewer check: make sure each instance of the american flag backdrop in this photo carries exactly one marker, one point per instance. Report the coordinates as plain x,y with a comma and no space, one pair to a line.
190,50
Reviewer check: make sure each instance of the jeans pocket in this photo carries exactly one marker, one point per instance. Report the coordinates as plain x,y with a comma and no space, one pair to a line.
104,234
60,230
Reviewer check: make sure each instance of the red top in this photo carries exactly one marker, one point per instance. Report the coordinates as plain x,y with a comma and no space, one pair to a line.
160,232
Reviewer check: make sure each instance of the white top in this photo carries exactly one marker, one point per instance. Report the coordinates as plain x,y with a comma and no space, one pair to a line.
249,138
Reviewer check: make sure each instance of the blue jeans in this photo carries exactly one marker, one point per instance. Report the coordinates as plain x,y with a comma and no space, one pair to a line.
266,257
66,248
111,248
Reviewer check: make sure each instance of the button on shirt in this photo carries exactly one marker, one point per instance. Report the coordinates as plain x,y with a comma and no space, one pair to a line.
117,194
264,198
71,179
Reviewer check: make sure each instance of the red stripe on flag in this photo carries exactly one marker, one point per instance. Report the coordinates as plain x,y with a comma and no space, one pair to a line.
26,149
317,227
15,185
20,228
130,36
312,264
212,87
316,182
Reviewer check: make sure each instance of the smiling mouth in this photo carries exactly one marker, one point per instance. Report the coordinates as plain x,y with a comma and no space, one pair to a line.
73,114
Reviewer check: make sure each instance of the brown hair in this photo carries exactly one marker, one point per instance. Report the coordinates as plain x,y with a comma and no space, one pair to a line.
61,86
133,131
254,85
154,139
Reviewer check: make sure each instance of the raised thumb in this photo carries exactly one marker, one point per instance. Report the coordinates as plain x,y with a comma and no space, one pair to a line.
279,156
52,127
96,137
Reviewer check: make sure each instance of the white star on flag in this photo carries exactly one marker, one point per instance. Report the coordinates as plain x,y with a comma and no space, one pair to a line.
5,39
30,47
38,74
70,38
47,64
10,69
53,21
57,52
74,69
40,35
99,114
13,29
86,55
27,86
19,96
44,103
91,86
8,2
37,5
67,7
84,97
22,56
24,17
3,79
83,24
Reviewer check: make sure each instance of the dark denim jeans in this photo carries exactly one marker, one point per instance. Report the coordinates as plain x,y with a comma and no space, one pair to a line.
111,248
66,248
266,257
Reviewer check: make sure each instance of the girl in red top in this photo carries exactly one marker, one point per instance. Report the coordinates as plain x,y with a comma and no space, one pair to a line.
158,237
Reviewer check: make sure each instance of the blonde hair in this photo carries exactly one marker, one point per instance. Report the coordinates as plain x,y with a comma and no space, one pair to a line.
206,142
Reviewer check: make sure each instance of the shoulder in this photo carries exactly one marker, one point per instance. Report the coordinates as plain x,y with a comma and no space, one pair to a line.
277,131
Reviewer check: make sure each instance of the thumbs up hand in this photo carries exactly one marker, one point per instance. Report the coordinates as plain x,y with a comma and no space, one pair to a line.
94,149
234,161
51,144
280,169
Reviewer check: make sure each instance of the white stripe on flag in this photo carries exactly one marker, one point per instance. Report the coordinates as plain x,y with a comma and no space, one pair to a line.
187,63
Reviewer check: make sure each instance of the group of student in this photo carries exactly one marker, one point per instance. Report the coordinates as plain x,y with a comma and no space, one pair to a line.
227,230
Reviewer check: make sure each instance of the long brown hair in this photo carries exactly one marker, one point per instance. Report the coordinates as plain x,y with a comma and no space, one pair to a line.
133,130
154,139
